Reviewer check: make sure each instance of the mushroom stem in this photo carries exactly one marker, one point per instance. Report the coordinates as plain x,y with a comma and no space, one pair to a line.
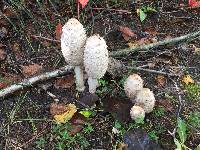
79,78
93,84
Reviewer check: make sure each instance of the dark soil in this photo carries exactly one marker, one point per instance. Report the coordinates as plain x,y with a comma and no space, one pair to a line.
172,19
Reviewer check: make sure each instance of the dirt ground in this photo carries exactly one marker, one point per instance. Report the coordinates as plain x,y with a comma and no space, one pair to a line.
29,47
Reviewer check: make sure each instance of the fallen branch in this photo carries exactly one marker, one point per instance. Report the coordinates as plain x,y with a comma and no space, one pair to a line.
115,68
173,41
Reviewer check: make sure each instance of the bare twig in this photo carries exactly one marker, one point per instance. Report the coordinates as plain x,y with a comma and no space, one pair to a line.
45,38
152,71
187,37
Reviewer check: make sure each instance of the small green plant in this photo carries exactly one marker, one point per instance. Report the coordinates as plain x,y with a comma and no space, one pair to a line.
143,12
40,143
193,91
63,139
153,135
159,111
194,119
103,87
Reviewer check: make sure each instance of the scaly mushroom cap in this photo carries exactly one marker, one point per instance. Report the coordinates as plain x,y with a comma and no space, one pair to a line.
95,57
137,112
73,39
132,85
145,98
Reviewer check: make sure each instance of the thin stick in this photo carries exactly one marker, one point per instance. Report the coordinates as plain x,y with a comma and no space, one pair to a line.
152,71
45,38
110,9
172,41
31,81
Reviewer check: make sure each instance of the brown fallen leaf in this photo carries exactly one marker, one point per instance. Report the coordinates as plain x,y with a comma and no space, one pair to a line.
65,82
7,79
139,42
75,129
119,108
78,119
56,109
17,51
58,31
166,104
127,33
161,80
30,70
122,146
65,114
3,54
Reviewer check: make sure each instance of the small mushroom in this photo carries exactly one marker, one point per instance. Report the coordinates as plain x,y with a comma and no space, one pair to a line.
137,112
95,60
145,99
73,39
132,85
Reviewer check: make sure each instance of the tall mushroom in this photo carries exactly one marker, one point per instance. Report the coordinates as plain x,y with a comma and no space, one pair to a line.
73,39
95,60
132,85
145,99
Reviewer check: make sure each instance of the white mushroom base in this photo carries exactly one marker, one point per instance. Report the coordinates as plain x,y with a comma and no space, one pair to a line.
79,78
93,84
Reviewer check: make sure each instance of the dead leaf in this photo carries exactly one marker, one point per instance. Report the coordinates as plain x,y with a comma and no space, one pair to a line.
119,108
58,31
167,105
161,80
3,54
17,51
7,79
187,79
9,12
83,3
30,70
89,99
57,109
194,3
122,146
139,42
197,50
75,129
127,33
78,119
65,82
70,110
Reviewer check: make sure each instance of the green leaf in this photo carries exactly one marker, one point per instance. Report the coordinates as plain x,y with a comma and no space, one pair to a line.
117,124
178,144
198,147
86,113
182,130
150,9
143,15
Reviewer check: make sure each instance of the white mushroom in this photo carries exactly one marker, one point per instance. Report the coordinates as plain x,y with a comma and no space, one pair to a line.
145,98
137,112
95,60
73,39
132,85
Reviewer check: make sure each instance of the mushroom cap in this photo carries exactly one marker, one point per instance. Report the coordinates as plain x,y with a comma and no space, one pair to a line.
73,39
95,57
132,85
146,99
137,112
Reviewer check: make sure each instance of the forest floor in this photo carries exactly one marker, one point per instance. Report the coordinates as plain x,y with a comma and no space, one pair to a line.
29,46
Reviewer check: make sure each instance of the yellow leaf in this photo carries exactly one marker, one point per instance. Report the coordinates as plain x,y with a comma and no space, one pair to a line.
187,79
131,44
197,50
67,115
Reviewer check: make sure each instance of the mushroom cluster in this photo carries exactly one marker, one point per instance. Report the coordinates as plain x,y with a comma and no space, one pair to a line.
142,97
82,52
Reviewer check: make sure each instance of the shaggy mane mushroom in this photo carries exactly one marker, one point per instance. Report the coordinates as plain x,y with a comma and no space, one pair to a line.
73,39
95,60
